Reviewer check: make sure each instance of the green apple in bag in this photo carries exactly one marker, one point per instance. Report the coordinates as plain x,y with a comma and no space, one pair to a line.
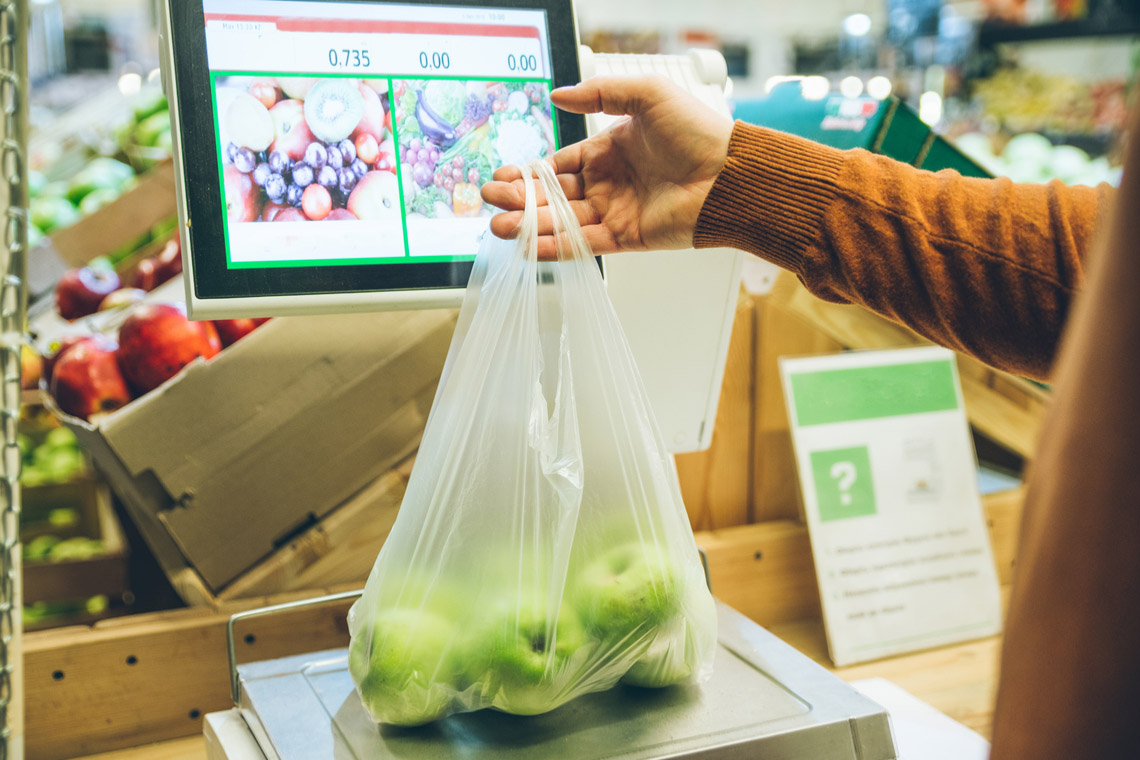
405,666
666,662
525,661
676,654
624,594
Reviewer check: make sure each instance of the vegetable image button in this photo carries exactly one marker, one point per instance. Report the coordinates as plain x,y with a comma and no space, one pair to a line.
843,484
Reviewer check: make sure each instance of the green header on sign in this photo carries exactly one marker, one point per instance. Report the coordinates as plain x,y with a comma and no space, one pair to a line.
865,393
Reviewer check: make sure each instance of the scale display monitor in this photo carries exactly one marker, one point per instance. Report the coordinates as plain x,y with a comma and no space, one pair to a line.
330,155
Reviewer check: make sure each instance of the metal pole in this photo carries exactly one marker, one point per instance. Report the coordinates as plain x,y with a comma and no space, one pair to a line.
13,313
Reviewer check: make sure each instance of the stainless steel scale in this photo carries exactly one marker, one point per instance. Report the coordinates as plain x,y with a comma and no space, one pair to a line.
765,700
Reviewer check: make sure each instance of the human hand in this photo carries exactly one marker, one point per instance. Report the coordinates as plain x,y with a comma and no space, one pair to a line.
637,186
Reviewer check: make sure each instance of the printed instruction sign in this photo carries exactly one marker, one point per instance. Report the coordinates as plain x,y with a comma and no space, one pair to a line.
890,493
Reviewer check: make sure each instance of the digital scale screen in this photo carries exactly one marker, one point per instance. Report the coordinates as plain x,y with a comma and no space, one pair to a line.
348,142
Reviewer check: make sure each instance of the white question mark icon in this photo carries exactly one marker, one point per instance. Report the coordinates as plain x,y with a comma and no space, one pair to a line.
846,474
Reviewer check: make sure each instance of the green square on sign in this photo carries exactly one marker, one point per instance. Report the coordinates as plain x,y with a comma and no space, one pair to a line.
843,484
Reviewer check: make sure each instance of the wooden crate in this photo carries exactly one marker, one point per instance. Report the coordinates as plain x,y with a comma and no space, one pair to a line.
775,483
130,681
1005,408
104,574
144,678
151,201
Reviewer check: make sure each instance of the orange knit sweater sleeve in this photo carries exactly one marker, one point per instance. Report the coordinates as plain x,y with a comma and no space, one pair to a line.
987,267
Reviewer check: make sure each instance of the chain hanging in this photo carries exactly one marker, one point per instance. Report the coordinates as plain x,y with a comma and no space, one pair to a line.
13,310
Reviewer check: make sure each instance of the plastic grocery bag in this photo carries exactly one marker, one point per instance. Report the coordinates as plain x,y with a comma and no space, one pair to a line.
542,550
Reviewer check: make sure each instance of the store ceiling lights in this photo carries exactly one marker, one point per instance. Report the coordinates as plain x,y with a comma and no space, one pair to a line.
857,25
930,107
851,87
815,88
879,87
130,83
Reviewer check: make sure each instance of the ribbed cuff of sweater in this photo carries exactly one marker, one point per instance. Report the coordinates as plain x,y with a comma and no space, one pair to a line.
770,197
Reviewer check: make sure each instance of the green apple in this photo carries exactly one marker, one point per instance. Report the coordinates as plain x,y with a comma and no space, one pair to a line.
525,662
405,666
683,646
623,595
666,663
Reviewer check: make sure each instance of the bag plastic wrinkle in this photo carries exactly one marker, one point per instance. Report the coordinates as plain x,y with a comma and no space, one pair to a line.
542,550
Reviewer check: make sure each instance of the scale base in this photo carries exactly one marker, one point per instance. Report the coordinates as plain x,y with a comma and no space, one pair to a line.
764,700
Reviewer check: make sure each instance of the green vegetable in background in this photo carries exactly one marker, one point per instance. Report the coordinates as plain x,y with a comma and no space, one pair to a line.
39,548
58,459
149,132
157,105
101,173
97,199
63,517
425,200
409,127
447,98
50,213
39,612
75,548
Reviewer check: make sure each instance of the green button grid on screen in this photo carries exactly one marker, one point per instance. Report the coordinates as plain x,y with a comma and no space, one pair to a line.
864,393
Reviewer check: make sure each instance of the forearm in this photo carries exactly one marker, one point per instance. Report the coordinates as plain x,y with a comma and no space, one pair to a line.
983,266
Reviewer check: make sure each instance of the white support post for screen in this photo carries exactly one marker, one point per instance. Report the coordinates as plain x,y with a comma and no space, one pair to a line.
677,307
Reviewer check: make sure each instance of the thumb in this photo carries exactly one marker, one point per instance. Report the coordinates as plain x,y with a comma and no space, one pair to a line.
617,96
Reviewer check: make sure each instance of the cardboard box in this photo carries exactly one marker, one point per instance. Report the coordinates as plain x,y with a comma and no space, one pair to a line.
235,457
122,221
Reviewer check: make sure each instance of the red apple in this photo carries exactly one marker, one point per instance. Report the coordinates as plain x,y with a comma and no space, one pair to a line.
146,275
290,215
376,196
372,122
169,260
87,381
316,202
292,131
367,148
157,340
67,343
121,298
243,197
80,291
259,321
233,330
339,215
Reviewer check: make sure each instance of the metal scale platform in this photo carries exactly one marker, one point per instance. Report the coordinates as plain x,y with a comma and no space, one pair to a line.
765,700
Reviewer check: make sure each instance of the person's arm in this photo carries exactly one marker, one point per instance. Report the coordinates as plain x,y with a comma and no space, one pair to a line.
1071,656
987,267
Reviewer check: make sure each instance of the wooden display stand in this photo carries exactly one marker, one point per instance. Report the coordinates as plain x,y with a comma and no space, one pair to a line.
748,474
